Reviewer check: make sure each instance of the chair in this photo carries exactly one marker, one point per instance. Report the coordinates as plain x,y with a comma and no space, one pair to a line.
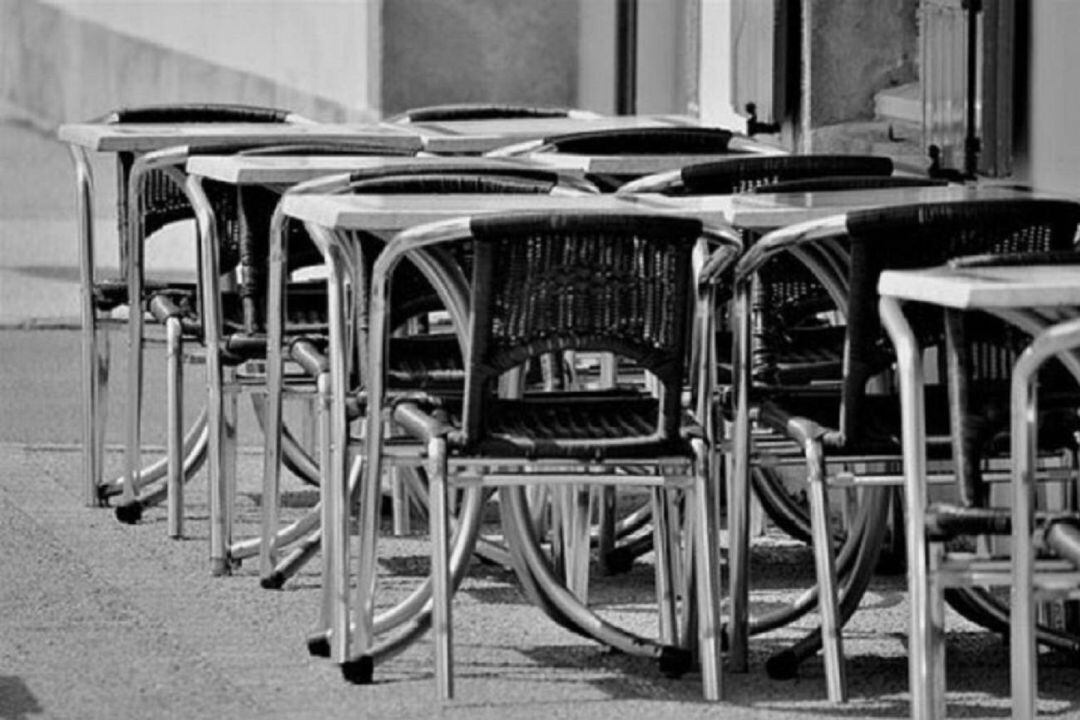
544,284
103,295
630,141
947,543
485,111
157,181
793,346
859,424
419,362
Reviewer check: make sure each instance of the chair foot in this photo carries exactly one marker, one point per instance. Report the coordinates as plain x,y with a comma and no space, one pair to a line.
130,513
675,662
223,566
619,561
318,645
784,665
275,581
360,671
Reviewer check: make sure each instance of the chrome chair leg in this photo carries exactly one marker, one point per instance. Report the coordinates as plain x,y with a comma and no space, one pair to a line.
94,363
174,374
664,567
705,544
440,568
825,565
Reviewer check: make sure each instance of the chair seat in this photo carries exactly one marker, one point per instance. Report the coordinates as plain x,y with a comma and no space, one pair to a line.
588,426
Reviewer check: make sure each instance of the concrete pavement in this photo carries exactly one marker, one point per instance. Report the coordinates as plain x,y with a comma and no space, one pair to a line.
100,620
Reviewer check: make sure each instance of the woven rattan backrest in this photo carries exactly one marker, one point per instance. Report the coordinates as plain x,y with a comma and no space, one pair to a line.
926,235
412,292
164,202
641,141
745,173
547,283
478,111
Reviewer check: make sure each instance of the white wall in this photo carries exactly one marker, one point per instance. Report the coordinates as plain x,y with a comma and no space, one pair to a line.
1053,162
715,78
326,48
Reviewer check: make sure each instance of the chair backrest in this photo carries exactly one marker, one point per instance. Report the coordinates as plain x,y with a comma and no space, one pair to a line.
164,202
478,111
591,282
745,173
413,293
640,141
926,235
200,113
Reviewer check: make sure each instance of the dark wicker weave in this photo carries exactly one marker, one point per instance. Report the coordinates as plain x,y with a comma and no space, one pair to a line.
545,284
477,111
642,141
745,173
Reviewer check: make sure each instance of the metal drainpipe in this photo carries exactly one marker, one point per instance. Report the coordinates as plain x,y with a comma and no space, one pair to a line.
626,22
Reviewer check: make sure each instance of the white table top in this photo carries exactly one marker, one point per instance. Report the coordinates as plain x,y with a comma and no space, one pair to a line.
396,212
146,137
773,210
289,170
477,136
1025,286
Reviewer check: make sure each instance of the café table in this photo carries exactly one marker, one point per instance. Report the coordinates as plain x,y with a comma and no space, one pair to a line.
136,139
1031,296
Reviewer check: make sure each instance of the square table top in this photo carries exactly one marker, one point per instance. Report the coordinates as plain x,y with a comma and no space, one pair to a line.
1017,286
292,169
385,213
146,137
478,136
766,211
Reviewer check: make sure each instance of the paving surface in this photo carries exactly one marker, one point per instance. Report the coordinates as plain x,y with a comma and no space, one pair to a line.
101,620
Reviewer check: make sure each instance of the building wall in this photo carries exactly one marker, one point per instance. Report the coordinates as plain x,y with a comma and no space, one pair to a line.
519,51
66,59
1048,153
859,48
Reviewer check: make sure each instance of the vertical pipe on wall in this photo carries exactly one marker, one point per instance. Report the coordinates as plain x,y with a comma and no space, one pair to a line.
626,14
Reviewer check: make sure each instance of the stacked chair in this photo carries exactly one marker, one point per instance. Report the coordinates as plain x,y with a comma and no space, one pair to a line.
160,202
236,251
792,346
546,297
859,424
419,361
950,544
